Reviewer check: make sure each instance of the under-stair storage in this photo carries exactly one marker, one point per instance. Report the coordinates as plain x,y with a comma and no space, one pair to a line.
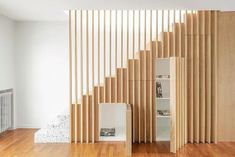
163,99
171,110
112,122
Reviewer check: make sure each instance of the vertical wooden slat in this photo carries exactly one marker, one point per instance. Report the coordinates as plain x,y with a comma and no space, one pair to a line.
110,55
87,77
145,72
81,65
177,103
116,86
208,78
150,85
173,98
122,55
180,37
154,104
180,103
180,82
191,80
156,36
196,76
93,78
203,80
174,35
104,53
214,78
183,100
186,77
168,33
128,143
163,43
98,90
70,78
139,82
75,76
127,58
133,54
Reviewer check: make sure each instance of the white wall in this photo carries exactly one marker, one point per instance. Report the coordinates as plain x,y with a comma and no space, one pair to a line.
7,30
41,72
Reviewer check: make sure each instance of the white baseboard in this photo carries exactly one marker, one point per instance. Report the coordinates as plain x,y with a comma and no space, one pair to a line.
27,127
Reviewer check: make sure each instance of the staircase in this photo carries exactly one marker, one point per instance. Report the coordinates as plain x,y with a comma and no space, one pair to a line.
134,84
194,38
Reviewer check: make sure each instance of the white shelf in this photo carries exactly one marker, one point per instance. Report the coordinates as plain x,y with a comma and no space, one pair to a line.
163,98
163,79
121,137
158,116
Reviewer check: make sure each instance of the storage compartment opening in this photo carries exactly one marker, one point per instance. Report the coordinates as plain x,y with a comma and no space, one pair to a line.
112,118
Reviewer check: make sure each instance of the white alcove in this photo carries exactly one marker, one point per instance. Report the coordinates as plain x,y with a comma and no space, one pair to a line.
113,115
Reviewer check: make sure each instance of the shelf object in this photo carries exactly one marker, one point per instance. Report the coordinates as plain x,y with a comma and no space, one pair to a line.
171,127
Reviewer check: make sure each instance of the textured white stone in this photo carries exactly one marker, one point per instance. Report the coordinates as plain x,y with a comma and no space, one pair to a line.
57,131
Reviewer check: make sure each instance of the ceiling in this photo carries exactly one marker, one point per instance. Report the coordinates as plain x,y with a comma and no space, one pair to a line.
53,10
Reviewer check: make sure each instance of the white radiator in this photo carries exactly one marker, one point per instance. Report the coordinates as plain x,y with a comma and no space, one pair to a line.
6,110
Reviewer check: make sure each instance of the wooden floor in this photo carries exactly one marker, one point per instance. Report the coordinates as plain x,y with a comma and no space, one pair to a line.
20,143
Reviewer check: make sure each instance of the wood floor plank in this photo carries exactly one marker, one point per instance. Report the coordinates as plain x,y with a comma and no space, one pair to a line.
20,143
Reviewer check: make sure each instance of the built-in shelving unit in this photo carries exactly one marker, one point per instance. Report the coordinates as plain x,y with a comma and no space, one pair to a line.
163,99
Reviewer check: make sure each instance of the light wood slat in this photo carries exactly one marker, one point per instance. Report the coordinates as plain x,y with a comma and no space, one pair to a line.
134,102
84,122
116,85
87,77
104,31
93,78
177,103
101,94
96,95
156,36
137,97
110,54
202,76
75,76
124,75
208,78
196,76
81,65
118,77
90,118
140,117
174,35
183,100
107,89
180,37
113,90
72,115
214,77
122,55
173,105
180,103
150,85
128,143
168,33
145,73
98,89
163,44
127,58
191,80
70,78
168,20
186,77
